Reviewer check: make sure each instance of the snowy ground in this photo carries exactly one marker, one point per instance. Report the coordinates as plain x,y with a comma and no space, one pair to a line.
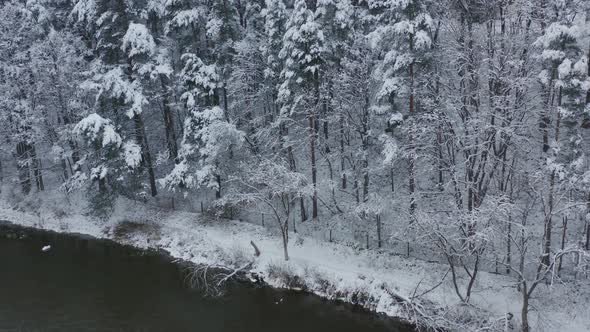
334,271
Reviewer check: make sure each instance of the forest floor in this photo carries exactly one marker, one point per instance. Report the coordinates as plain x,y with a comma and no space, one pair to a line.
375,280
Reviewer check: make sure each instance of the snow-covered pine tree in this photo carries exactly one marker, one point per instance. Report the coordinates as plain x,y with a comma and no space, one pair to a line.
275,15
139,46
303,44
204,151
406,36
19,31
222,31
121,48
564,84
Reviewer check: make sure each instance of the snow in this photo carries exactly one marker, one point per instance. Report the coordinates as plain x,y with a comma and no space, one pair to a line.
555,32
544,77
552,55
214,26
390,85
207,137
179,174
403,61
185,18
196,72
396,118
46,248
84,10
303,45
110,136
115,83
565,68
138,41
107,64
403,27
217,134
391,149
581,67
132,154
93,125
197,239
99,172
422,40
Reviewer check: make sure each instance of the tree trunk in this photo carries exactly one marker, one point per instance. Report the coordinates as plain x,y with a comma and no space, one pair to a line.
102,186
412,187
392,179
285,250
75,153
283,131
365,180
23,166
64,169
218,191
548,222
145,151
141,139
509,246
524,315
546,118
588,92
549,213
356,189
563,238
66,118
588,120
365,147
313,137
378,219
439,147
36,166
314,213
342,165
588,223
285,235
412,161
588,201
225,104
169,121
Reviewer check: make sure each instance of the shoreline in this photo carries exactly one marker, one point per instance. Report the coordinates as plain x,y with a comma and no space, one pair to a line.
253,275
378,282
242,278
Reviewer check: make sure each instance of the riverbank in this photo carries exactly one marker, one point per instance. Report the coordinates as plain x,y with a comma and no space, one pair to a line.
380,282
87,284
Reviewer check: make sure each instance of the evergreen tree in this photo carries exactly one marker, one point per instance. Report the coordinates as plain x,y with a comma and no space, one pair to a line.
303,44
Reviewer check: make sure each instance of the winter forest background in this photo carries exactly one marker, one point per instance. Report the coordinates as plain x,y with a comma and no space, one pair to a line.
452,130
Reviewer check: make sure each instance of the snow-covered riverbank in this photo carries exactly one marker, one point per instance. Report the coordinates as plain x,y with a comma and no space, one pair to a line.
380,282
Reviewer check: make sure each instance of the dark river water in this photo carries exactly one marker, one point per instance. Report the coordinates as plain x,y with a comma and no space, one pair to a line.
91,285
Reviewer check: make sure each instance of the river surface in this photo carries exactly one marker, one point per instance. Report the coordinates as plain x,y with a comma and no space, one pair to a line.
93,285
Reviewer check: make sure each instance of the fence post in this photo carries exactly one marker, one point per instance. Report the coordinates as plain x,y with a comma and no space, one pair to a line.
262,219
496,268
378,231
330,235
563,238
202,210
367,240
